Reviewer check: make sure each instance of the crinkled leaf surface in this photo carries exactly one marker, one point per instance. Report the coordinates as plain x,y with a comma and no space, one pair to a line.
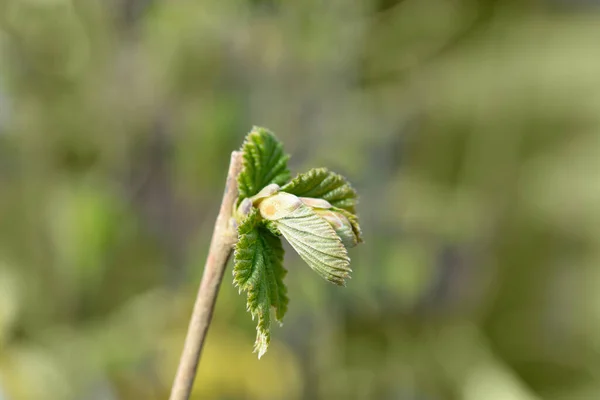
317,243
264,162
258,270
324,184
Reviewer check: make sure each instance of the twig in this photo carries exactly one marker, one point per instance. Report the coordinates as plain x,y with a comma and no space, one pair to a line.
221,246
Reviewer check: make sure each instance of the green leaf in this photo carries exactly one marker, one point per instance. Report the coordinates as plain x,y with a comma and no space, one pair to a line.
321,183
258,270
272,227
264,162
317,243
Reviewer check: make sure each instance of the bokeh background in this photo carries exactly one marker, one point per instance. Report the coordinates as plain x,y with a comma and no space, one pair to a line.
471,129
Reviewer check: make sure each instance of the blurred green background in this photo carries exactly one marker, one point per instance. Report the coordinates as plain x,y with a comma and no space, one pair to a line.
471,129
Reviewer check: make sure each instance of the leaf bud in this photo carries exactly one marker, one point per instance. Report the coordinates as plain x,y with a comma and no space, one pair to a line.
278,206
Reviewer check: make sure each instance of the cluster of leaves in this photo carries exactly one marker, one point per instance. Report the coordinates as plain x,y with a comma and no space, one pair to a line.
315,212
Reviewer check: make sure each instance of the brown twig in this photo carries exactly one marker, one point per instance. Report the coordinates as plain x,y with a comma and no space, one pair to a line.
221,246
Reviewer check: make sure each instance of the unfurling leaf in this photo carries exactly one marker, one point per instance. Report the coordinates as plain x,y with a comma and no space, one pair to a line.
343,222
353,219
320,183
341,225
258,270
264,163
315,212
310,235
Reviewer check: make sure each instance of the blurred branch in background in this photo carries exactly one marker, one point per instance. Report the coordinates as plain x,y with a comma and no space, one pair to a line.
469,126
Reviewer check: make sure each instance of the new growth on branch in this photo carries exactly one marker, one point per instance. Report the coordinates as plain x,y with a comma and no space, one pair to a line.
315,212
